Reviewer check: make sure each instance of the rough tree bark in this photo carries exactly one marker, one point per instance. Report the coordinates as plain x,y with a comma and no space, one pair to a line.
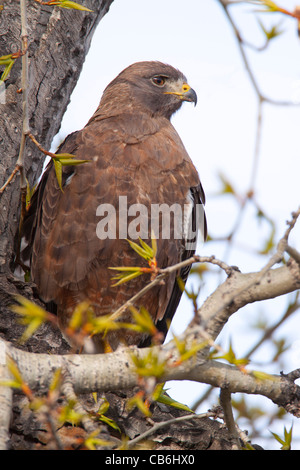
58,41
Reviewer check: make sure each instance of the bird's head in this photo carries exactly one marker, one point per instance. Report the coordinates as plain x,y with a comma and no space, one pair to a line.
154,87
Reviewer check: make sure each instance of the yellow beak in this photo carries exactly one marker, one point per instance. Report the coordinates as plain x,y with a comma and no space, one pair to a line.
185,93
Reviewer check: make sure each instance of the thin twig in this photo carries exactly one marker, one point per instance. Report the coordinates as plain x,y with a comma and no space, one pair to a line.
9,180
39,146
163,424
225,4
53,429
225,401
214,322
293,375
19,167
256,149
268,333
25,129
68,390
165,272
89,424
281,246
238,36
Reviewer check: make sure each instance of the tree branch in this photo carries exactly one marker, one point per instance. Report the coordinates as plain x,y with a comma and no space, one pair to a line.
225,401
5,400
116,371
240,289
165,272
163,424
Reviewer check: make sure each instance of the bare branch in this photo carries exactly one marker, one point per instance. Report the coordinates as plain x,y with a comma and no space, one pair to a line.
165,272
225,401
19,167
293,253
261,97
241,289
167,423
67,388
115,371
25,130
251,287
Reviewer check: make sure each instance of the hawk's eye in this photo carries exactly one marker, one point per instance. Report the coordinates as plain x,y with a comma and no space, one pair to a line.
158,80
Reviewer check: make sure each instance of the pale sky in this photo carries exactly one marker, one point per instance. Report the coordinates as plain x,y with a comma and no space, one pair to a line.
219,133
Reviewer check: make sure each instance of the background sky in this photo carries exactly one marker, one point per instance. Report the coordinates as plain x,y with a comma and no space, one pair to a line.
219,134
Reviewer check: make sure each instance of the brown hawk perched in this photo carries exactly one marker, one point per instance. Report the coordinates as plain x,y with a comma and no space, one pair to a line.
136,157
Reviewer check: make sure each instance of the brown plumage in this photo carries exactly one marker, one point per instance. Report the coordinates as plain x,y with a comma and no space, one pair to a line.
134,151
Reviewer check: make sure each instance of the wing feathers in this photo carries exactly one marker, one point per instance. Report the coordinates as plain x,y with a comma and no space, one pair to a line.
141,159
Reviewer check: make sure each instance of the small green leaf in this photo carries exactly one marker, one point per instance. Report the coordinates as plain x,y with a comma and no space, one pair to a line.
144,253
188,351
227,186
126,274
7,69
58,172
137,401
148,249
13,369
230,357
72,5
29,193
101,415
286,441
67,4
81,312
153,244
58,156
6,59
130,272
144,320
67,159
69,414
269,5
110,422
149,365
31,314
260,375
103,407
160,395
56,380
92,442
271,33
269,243
17,381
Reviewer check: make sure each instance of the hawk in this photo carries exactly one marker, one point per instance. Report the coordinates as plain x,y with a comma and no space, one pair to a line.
135,157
